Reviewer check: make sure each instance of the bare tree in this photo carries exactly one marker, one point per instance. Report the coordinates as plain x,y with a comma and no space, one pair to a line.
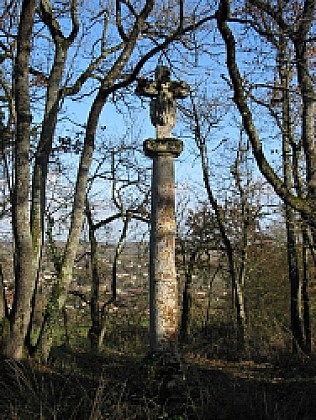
132,207
299,34
129,37
24,269
235,239
196,241
289,36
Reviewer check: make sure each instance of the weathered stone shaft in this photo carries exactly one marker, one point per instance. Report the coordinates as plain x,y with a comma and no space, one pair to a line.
164,309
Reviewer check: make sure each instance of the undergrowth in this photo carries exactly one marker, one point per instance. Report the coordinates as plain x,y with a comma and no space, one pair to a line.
118,386
121,383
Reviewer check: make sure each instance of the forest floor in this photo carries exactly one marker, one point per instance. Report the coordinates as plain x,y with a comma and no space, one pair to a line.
114,385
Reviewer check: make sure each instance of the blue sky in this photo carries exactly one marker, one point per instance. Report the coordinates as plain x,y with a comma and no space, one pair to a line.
205,70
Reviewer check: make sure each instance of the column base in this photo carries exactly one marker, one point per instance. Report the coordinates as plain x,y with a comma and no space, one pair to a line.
166,369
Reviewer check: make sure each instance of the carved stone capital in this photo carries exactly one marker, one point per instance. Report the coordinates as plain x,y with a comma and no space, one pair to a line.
163,147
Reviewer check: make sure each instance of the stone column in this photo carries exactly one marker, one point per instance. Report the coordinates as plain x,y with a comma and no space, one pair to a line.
164,310
164,307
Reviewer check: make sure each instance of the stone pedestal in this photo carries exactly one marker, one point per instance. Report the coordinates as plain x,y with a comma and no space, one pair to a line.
164,308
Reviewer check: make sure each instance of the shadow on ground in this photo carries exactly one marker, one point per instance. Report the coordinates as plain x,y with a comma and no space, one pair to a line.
116,386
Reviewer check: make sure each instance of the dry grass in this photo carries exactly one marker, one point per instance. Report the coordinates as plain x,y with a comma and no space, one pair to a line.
121,384
118,386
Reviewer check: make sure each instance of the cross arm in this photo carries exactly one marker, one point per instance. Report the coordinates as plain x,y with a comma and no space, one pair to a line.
180,90
151,89
146,88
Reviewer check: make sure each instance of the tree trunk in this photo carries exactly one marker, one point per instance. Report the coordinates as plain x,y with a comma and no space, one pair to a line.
44,147
306,206
97,329
305,80
24,270
118,251
60,291
209,296
4,310
295,286
186,306
293,267
305,294
238,293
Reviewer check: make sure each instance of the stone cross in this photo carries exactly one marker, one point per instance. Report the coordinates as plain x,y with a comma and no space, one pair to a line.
164,309
163,93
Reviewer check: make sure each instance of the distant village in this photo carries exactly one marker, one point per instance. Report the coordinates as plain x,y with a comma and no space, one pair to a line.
131,276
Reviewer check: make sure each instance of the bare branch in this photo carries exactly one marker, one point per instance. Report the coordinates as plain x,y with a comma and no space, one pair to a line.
241,102
118,19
